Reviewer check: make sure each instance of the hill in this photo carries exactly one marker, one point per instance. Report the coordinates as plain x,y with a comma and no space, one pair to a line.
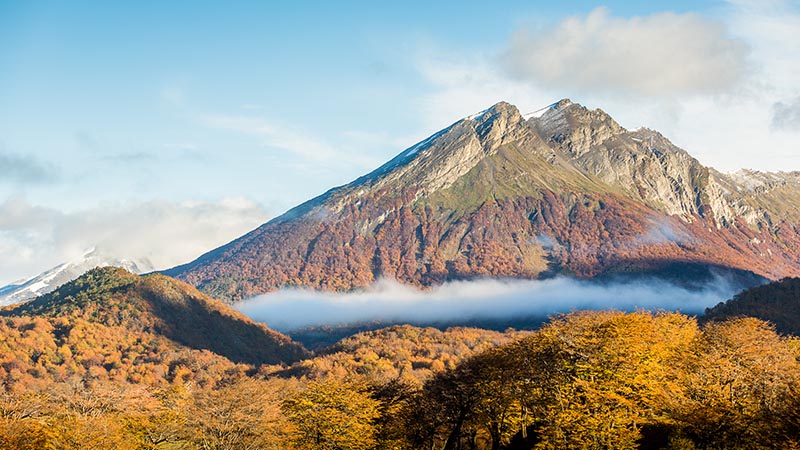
777,302
110,324
585,380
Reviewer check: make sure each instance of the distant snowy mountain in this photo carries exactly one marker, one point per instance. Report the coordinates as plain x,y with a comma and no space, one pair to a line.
50,280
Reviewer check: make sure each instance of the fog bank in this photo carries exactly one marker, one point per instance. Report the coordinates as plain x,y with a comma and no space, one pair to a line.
491,299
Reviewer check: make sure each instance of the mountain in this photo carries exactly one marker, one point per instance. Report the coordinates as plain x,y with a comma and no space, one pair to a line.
110,324
51,279
568,191
777,302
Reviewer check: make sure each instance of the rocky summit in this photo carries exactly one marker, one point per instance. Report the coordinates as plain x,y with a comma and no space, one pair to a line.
496,194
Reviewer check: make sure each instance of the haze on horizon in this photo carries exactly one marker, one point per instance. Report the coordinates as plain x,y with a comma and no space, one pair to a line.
162,132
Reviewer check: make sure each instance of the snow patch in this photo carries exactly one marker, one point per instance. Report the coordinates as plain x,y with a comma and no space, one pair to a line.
540,112
478,115
420,146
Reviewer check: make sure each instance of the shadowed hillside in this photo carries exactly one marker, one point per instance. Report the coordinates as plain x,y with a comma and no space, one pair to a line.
777,302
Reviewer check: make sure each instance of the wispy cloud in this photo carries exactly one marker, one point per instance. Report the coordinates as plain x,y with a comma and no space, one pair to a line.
274,135
24,169
663,231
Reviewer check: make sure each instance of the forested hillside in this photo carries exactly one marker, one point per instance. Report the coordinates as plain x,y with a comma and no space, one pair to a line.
612,380
777,302
401,352
112,325
593,380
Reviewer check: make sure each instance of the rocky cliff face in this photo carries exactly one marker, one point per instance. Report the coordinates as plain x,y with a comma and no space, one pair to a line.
642,164
495,194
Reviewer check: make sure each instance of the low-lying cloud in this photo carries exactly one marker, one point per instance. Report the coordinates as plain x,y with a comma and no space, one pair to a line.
661,54
662,231
463,301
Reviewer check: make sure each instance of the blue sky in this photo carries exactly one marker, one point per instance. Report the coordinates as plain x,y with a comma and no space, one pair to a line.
211,117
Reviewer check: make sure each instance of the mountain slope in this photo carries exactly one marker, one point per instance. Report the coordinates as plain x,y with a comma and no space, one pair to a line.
50,280
112,324
494,194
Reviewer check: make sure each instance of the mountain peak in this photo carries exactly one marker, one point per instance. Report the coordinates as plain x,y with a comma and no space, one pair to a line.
500,109
503,107
437,161
496,122
575,127
563,103
53,278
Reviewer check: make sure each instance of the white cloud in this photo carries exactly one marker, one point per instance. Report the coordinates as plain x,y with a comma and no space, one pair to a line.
388,301
662,54
302,149
34,238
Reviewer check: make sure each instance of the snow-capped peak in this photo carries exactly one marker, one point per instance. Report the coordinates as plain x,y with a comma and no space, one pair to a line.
51,279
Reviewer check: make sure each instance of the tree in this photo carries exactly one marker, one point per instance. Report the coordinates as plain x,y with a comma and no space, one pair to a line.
593,379
242,415
333,415
738,382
